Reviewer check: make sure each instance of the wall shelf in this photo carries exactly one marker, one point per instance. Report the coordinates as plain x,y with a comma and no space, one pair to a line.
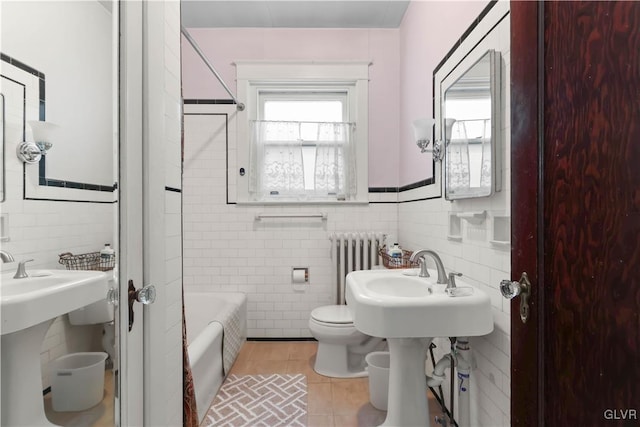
4,228
501,244
501,232
455,228
475,218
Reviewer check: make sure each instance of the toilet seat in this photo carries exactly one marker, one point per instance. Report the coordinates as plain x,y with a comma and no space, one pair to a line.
338,315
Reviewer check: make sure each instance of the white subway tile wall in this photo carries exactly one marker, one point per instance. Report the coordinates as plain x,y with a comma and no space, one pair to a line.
227,250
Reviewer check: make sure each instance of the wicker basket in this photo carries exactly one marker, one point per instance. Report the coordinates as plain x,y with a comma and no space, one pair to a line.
88,261
390,262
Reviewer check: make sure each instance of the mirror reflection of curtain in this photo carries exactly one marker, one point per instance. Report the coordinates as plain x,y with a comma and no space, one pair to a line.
301,159
485,175
458,158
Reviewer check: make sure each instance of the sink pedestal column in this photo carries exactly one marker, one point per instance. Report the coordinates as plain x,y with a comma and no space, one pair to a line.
407,404
22,402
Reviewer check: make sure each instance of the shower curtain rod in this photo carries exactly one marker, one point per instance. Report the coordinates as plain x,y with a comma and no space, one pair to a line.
239,105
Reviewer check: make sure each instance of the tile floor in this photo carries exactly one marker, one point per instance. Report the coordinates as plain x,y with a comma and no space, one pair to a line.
331,402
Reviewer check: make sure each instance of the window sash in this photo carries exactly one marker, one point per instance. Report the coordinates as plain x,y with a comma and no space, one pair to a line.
279,167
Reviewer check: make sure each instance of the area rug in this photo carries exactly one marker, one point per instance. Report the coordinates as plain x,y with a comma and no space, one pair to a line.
259,400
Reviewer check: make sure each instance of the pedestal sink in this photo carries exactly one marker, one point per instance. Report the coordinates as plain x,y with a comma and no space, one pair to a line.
29,306
410,311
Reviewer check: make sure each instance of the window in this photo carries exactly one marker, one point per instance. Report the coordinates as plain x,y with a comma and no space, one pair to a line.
304,139
301,146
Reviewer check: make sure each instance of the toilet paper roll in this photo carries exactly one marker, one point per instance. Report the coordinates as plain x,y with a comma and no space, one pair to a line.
299,276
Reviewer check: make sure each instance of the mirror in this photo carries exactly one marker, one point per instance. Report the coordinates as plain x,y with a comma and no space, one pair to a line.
471,119
59,64
2,148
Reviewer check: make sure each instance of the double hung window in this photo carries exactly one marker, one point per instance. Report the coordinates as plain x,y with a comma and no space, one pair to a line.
304,139
301,146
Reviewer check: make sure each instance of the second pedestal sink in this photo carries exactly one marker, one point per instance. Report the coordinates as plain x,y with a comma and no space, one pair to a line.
410,311
29,305
389,304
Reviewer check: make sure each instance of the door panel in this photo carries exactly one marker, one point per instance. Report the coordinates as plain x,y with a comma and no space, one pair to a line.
526,344
130,189
591,214
578,363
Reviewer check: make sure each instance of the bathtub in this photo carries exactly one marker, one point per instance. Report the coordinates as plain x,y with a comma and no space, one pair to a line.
204,313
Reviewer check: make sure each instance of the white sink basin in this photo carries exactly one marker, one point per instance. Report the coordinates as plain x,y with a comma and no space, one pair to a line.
29,306
389,304
410,311
47,294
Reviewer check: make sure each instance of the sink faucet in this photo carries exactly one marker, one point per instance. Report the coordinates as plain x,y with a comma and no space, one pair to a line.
6,256
442,274
21,273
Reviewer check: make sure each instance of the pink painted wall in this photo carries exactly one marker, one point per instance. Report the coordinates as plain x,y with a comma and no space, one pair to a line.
380,46
400,89
428,31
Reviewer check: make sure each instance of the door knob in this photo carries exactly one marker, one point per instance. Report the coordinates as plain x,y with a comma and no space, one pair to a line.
145,295
511,289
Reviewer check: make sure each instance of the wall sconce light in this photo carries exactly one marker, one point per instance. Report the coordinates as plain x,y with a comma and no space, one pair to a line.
423,131
420,128
31,152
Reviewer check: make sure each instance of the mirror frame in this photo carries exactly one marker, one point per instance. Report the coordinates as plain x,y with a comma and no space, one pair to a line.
495,81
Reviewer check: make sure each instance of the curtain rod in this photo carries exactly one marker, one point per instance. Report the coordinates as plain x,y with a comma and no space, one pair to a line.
183,30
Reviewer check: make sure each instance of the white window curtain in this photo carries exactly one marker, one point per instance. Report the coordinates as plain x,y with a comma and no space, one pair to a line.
302,160
457,158
469,155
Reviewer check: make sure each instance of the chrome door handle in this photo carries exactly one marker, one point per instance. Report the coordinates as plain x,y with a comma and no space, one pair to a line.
511,289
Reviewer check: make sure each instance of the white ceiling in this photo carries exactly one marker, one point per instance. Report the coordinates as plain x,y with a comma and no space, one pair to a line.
293,13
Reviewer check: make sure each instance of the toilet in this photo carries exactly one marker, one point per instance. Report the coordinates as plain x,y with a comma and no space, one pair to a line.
341,347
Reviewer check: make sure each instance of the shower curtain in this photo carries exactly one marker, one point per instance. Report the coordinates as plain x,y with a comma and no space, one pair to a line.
190,411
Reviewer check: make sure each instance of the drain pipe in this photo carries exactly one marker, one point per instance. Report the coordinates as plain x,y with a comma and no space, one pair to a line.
463,356
460,359
437,376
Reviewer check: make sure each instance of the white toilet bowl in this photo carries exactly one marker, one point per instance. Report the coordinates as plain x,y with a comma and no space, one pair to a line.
341,347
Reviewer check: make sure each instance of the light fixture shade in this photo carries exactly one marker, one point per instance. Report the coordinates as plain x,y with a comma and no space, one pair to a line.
43,134
43,131
423,129
448,125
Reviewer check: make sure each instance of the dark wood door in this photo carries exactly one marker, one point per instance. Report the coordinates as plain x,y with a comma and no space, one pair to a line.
575,115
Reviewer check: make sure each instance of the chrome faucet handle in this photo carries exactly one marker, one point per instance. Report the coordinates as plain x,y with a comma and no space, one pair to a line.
6,256
21,273
423,267
452,279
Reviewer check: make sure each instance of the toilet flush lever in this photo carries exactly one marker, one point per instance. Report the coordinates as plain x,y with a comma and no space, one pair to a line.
145,295
511,290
